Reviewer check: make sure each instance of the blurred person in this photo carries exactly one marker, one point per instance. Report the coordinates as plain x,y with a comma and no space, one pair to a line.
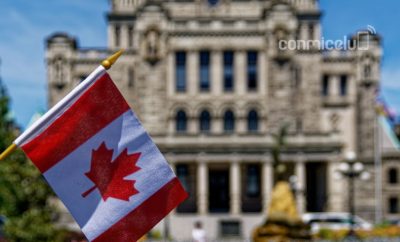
198,233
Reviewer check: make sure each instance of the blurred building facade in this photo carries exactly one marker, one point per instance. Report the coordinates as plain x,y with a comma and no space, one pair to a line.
211,83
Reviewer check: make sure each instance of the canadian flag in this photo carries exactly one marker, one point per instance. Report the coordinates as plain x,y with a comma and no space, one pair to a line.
104,166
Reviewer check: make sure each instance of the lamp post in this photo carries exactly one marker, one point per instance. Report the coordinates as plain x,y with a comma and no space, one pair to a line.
352,169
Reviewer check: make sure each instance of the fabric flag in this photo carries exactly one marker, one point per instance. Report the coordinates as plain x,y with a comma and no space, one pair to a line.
384,110
104,166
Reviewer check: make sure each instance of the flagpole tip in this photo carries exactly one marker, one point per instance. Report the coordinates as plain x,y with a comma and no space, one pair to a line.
107,63
8,151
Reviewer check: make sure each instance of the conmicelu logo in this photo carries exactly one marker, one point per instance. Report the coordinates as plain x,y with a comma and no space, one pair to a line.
361,42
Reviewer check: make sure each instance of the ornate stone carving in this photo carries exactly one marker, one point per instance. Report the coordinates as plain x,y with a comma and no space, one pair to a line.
335,118
152,45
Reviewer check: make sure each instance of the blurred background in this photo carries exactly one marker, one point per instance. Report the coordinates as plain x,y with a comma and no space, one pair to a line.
271,112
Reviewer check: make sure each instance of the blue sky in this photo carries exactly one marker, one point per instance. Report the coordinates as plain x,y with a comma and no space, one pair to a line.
26,23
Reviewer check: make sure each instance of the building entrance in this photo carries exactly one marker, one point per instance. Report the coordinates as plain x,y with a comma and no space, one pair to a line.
218,185
316,193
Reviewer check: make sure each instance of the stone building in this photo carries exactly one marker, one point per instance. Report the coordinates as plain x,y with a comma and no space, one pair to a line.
212,81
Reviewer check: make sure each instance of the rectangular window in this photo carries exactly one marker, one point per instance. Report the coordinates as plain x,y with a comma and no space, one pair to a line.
252,70
186,174
230,229
297,78
311,31
131,77
218,190
130,36
180,64
117,35
393,205
392,176
325,85
343,85
299,125
182,172
204,70
251,189
253,181
228,71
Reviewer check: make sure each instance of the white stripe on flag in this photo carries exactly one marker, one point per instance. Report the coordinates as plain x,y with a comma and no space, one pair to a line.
68,178
58,109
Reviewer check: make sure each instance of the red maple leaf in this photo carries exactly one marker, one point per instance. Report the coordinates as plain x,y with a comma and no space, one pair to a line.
108,176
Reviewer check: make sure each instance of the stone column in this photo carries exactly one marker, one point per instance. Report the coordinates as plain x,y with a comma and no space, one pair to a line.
235,187
318,30
262,73
192,72
218,124
124,36
301,181
337,190
303,31
192,123
241,121
240,72
111,36
202,188
267,183
216,72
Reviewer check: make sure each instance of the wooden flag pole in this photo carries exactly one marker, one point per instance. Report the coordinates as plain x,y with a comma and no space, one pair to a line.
8,151
107,63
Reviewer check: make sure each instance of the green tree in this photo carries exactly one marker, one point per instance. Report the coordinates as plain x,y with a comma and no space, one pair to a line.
23,192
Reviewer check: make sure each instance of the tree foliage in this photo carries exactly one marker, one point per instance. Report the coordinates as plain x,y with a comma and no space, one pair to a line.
23,191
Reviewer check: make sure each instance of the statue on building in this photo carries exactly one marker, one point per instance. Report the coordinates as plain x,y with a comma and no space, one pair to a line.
152,45
59,72
334,119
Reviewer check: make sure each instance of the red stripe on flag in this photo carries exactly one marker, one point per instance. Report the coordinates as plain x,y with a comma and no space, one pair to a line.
138,222
99,105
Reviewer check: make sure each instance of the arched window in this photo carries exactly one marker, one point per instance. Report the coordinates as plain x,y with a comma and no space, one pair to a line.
213,2
252,121
229,121
205,121
392,175
181,121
